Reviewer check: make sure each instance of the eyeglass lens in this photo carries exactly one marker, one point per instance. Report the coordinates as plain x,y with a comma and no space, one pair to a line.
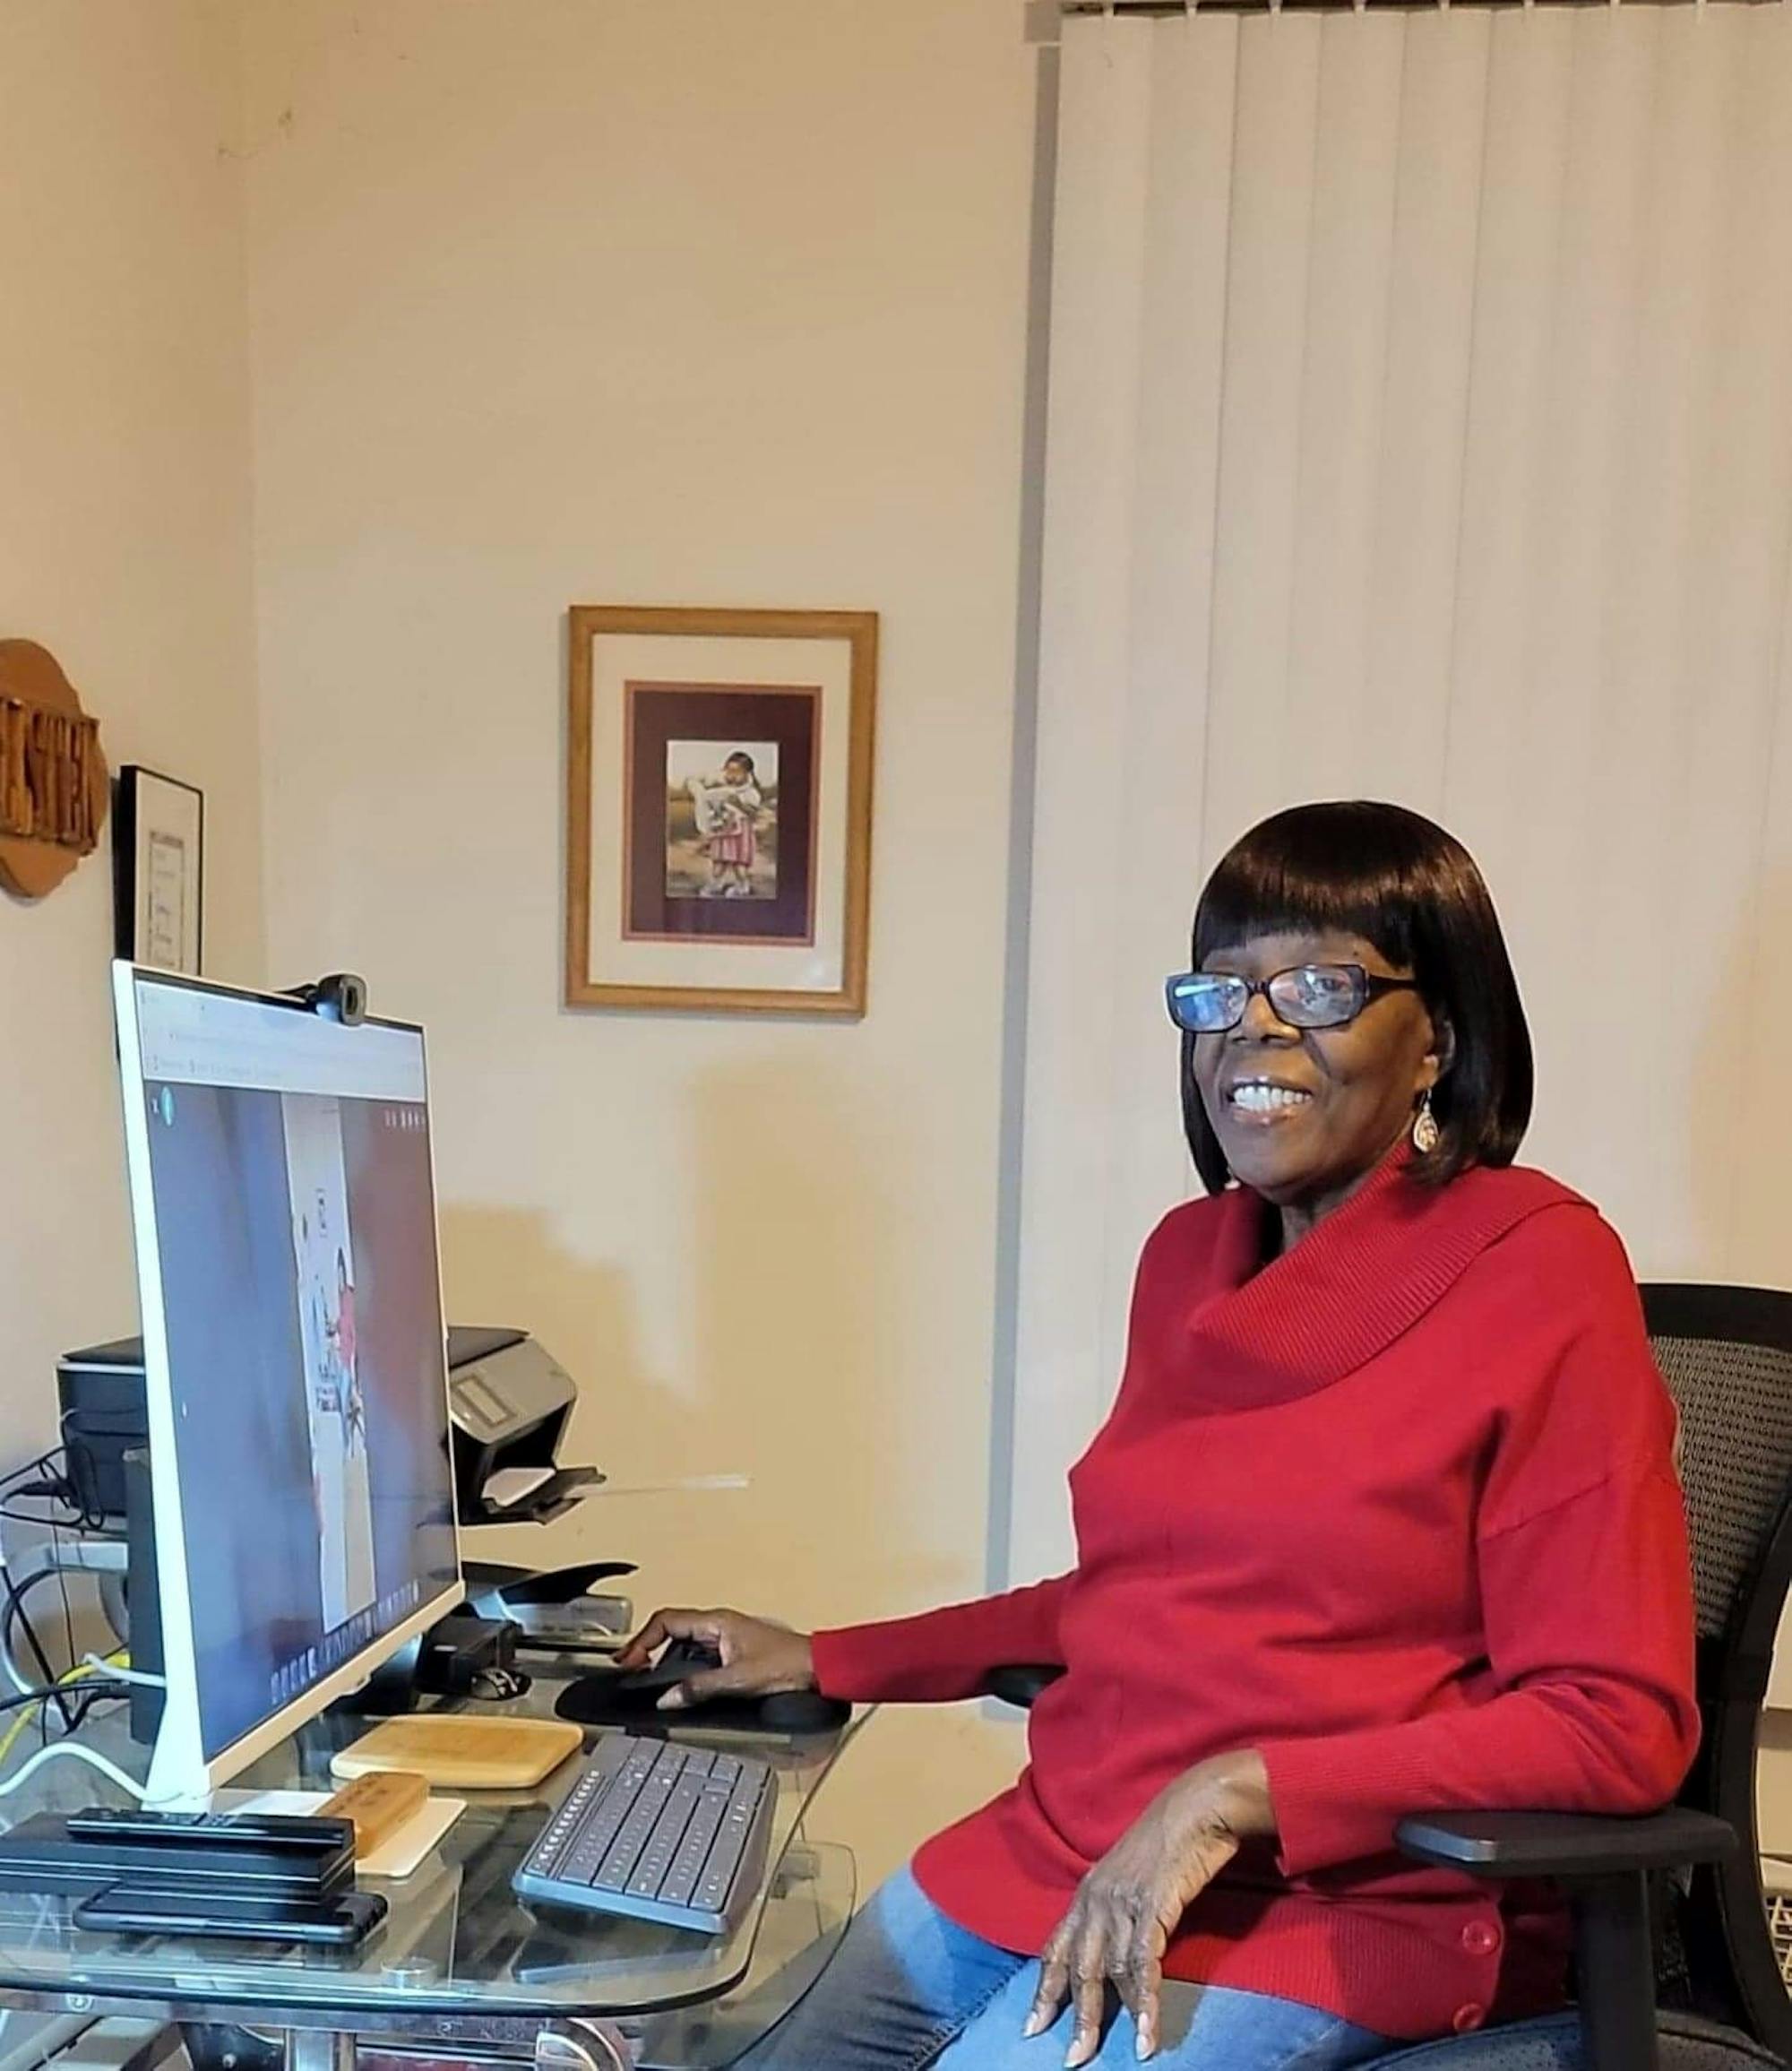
1310,996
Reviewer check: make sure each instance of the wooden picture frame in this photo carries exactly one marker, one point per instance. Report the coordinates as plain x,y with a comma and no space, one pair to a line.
718,782
158,871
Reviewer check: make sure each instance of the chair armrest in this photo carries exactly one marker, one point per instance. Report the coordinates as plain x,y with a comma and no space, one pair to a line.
1568,1845
1021,1682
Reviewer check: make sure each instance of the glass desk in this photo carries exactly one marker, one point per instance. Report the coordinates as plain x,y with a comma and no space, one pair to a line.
460,1963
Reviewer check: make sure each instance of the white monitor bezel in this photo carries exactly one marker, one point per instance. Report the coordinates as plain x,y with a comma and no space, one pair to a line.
180,1772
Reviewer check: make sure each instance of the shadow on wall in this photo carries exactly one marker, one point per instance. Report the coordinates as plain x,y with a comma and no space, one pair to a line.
503,1266
795,1344
1739,1205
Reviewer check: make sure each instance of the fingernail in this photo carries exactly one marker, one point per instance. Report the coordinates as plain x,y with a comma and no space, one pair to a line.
673,1700
1036,2025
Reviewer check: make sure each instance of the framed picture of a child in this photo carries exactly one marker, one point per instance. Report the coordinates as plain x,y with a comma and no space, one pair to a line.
719,808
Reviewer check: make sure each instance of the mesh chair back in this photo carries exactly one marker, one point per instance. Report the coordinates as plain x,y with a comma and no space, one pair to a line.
1735,1395
1726,1355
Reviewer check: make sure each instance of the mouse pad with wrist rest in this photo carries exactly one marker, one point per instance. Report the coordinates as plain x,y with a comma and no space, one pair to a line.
607,1700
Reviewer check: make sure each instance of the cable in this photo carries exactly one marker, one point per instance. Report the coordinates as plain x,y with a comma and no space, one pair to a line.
15,1597
118,1667
81,1488
75,1752
54,1485
71,1718
14,1730
24,1698
62,1585
105,1685
109,1673
87,1698
15,1675
56,1489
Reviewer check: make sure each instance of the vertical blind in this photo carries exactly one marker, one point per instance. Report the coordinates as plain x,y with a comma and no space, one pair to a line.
1420,427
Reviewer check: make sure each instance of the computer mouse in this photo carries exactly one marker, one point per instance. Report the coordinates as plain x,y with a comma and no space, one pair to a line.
679,1660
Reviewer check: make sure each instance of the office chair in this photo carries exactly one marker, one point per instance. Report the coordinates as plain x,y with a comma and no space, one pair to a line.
1675,1963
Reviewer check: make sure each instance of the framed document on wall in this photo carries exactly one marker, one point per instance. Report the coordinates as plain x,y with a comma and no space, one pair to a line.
719,809
159,854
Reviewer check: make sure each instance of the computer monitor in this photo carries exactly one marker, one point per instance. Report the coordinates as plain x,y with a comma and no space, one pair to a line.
295,1358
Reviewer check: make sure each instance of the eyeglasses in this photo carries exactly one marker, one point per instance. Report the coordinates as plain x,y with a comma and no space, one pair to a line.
1306,996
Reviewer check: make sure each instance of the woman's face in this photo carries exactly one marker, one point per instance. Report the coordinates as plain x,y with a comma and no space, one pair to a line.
1330,1102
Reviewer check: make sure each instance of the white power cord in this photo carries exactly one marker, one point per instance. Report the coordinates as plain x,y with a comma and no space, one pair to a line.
114,1674
72,1751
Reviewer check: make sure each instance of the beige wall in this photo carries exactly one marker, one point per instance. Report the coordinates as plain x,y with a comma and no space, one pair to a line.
123,548
668,301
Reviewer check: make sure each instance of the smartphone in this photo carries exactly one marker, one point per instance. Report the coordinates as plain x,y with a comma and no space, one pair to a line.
338,1922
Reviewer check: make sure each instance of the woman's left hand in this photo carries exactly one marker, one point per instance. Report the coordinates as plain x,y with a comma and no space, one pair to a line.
1127,1907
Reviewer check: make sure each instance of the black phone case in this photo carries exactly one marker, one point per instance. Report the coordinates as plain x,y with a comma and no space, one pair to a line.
340,1923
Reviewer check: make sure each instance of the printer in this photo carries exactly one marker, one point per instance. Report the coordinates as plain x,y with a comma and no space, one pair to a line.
509,1404
509,1400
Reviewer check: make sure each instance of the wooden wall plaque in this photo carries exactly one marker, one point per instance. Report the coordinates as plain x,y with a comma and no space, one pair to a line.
54,789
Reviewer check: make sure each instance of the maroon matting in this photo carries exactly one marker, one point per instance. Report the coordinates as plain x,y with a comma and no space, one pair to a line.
655,714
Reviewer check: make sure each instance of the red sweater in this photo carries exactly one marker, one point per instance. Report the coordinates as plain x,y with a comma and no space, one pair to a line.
1398,1510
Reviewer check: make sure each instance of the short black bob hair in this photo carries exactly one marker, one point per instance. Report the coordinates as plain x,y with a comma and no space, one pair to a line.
1401,882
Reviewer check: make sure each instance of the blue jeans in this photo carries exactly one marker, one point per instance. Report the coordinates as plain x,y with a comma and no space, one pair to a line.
908,1987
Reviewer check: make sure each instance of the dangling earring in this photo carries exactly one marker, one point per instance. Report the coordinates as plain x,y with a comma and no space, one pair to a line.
1426,1133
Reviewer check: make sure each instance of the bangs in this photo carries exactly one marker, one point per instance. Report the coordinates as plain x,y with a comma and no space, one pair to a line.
1343,869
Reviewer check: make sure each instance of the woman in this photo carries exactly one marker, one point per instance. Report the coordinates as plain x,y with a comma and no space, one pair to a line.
1385,1520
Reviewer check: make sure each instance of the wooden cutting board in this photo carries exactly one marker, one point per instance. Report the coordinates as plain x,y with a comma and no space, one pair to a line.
464,1751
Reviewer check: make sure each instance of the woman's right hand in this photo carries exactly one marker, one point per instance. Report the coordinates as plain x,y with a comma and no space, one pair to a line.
757,1657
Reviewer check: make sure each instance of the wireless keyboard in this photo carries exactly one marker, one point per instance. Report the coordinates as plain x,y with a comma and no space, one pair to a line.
659,1833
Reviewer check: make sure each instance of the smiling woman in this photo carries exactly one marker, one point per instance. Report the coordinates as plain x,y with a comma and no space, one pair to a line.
1384,1391
1376,998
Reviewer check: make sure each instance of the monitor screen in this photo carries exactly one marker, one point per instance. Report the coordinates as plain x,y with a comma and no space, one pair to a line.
293,1277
